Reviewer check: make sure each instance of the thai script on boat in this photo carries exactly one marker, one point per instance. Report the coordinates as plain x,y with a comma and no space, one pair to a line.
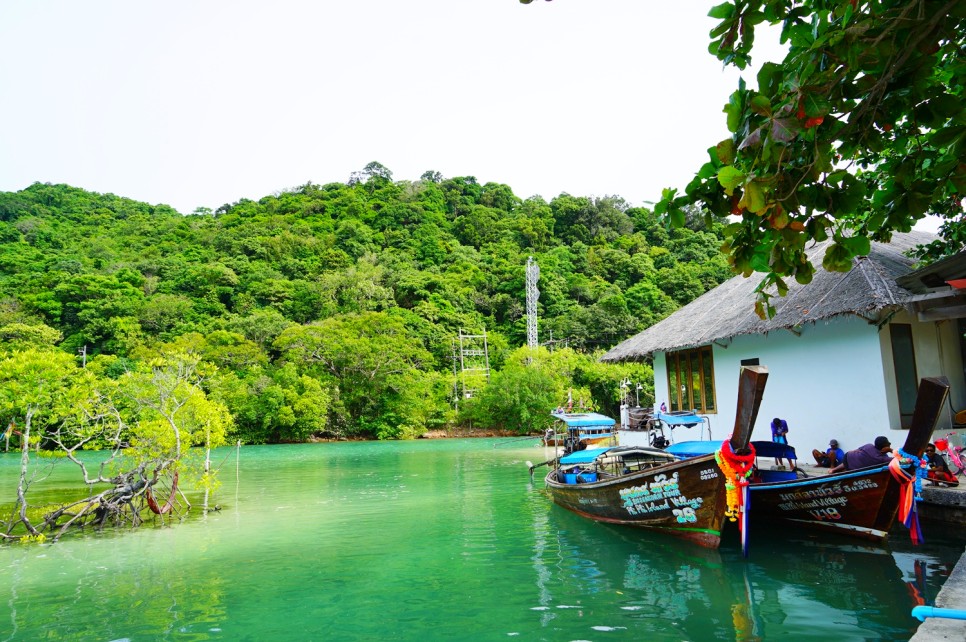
815,503
660,494
828,491
859,484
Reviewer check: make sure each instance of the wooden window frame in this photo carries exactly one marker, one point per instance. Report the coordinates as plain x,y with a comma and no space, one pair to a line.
679,370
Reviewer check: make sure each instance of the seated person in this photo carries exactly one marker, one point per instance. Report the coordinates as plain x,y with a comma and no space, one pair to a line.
938,469
831,457
877,453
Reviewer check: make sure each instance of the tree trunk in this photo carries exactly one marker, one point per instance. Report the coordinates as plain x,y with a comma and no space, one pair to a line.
22,484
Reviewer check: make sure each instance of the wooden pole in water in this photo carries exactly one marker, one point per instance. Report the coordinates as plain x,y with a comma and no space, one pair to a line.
207,465
237,470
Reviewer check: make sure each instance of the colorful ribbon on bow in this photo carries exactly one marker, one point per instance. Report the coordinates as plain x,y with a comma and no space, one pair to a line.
736,470
910,490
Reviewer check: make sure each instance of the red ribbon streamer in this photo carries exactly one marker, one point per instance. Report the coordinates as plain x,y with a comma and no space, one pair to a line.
907,499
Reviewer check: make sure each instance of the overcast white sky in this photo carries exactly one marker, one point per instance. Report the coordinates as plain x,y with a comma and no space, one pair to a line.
204,103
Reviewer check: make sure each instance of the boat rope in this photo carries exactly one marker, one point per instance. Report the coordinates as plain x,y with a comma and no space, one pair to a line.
234,451
910,490
501,443
168,505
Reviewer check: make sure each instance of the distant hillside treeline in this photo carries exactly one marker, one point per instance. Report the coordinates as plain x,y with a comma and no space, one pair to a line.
333,309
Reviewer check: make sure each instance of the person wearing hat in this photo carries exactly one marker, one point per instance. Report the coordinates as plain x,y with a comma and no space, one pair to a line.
874,454
831,457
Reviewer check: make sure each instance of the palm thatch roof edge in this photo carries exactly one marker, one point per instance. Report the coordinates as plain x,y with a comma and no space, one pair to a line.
868,290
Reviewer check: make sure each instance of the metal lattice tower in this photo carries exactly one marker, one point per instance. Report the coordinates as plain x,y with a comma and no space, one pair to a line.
533,275
474,362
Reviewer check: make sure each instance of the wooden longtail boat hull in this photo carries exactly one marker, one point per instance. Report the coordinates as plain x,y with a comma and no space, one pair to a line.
862,503
684,498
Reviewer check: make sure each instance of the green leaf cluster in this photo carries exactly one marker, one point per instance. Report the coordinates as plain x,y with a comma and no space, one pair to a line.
859,132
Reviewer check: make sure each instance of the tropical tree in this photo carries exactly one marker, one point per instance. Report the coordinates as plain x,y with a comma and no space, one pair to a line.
36,388
15,336
518,398
373,363
147,420
857,133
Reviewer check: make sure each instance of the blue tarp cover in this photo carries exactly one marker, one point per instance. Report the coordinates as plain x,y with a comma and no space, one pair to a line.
583,419
679,420
582,456
693,448
771,449
762,449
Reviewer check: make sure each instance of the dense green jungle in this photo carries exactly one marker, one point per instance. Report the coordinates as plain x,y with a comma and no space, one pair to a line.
332,311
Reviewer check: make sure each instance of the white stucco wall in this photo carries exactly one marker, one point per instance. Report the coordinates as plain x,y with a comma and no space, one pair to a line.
828,382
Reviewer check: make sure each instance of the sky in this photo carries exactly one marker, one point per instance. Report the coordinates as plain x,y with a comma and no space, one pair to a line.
199,104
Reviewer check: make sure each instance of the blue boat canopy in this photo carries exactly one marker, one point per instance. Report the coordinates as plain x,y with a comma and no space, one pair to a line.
679,419
685,449
583,419
582,456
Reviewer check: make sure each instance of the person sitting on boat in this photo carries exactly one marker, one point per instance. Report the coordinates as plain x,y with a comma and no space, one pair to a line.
831,457
878,452
779,432
939,472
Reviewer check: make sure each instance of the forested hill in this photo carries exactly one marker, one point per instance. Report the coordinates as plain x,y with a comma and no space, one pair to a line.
333,309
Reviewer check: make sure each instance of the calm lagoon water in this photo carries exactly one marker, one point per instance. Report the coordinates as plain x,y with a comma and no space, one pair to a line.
444,540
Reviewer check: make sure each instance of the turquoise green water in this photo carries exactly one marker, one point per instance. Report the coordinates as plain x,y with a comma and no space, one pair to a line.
442,540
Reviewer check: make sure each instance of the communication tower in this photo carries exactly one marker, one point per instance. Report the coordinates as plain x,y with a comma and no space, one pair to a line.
533,275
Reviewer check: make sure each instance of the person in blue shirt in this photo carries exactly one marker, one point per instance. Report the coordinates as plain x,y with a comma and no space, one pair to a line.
831,457
779,430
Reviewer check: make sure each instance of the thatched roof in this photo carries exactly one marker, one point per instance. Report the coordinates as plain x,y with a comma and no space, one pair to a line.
869,289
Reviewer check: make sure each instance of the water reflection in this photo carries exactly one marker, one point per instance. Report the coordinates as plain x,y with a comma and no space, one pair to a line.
447,540
796,585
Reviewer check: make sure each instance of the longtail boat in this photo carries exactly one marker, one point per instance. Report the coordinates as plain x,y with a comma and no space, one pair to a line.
582,428
648,488
862,502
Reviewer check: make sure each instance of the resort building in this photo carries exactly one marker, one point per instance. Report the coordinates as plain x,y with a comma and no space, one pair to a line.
845,352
